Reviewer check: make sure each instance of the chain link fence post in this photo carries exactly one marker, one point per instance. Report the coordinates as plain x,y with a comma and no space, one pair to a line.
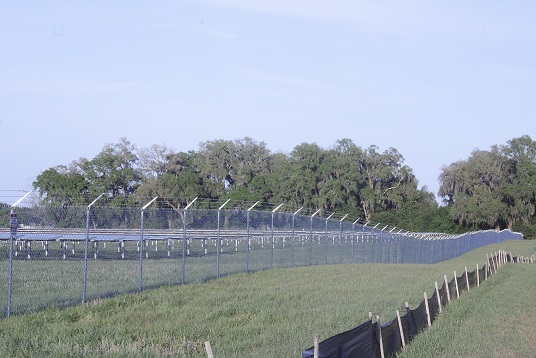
84,276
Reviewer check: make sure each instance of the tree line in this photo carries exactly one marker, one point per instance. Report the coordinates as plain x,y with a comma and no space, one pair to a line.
491,189
494,188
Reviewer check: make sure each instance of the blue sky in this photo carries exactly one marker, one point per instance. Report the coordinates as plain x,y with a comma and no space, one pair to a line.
433,79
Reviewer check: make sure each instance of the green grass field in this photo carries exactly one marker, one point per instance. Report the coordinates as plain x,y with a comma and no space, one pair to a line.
275,313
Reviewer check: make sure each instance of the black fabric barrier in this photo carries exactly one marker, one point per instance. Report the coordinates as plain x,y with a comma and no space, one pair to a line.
517,258
443,295
462,283
472,279
433,306
419,317
452,288
376,352
405,327
482,273
392,342
356,342
491,265
364,340
410,330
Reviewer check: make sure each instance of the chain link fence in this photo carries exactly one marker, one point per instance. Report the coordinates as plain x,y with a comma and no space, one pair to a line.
54,256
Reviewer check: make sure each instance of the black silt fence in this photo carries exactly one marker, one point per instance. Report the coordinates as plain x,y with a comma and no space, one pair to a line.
376,339
356,342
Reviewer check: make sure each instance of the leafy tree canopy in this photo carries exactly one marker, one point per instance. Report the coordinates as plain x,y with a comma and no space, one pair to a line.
493,188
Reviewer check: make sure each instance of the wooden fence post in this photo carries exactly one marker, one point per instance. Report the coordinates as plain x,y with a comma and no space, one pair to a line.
209,349
316,346
456,284
400,328
438,297
467,279
487,268
380,335
447,288
427,310
477,276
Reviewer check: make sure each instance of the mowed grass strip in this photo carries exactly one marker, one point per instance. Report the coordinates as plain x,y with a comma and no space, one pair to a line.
273,313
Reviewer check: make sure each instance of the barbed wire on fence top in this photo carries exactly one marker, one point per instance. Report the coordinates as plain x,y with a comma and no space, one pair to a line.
10,196
224,205
198,203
